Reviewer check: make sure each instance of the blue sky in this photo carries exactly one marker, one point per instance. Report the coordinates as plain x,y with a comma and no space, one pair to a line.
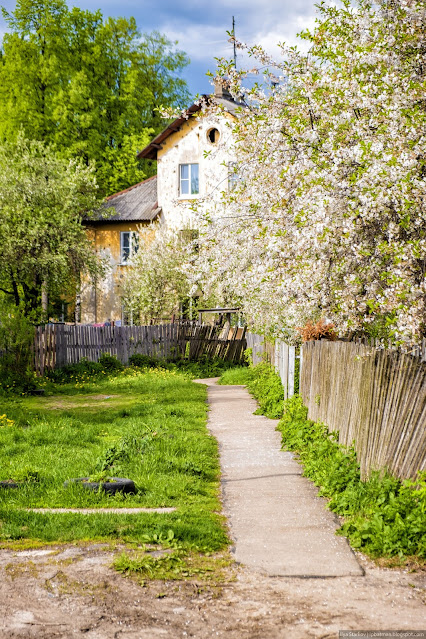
200,27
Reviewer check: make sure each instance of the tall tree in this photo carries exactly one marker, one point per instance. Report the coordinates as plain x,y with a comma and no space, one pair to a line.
329,216
45,247
91,88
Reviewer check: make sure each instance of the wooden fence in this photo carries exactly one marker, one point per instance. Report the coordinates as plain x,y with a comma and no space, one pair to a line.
57,345
280,355
374,398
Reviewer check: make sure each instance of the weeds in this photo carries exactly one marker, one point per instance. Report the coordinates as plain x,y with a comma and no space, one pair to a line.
382,516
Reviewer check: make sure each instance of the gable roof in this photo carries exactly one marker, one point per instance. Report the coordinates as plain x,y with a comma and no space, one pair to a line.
138,203
150,151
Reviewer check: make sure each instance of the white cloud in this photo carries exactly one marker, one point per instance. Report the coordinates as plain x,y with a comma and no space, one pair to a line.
204,42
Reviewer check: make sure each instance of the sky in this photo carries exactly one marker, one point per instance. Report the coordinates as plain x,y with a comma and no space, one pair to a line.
201,27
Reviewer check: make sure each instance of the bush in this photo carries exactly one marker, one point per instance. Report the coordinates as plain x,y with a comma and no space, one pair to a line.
16,350
322,329
143,361
73,372
110,363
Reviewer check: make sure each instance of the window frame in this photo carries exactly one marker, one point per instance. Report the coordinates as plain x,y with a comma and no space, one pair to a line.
133,246
190,195
234,178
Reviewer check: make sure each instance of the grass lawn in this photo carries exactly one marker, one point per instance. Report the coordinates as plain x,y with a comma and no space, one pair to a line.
147,425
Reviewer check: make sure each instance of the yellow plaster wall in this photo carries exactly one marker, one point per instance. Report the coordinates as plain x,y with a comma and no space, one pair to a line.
102,302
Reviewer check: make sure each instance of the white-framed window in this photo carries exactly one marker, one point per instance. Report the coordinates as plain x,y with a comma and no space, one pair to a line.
189,183
234,179
129,244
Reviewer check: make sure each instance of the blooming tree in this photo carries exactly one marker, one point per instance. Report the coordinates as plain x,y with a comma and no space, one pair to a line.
328,217
158,278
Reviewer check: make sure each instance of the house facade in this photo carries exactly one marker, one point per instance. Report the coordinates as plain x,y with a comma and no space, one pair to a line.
195,165
115,239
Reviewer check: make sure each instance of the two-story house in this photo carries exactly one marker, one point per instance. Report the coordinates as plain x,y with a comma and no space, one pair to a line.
195,163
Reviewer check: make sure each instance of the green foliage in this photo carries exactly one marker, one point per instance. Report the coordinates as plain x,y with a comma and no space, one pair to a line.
110,363
85,370
263,383
143,361
203,368
81,371
45,247
91,87
173,562
240,375
16,341
383,516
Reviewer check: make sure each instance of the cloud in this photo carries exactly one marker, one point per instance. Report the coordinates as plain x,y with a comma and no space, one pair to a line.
201,28
205,42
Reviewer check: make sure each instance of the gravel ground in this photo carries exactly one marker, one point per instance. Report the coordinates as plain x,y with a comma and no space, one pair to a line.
72,591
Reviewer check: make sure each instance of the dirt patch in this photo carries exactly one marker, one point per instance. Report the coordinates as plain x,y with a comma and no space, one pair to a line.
75,402
71,591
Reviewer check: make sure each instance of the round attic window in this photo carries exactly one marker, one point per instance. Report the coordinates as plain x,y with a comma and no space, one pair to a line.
213,136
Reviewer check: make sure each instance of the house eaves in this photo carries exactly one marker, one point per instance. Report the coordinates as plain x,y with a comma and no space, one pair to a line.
150,151
138,203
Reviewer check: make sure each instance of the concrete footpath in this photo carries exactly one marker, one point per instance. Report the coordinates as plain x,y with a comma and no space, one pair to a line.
279,525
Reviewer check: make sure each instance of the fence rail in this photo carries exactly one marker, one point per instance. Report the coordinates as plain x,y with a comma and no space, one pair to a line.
374,398
57,345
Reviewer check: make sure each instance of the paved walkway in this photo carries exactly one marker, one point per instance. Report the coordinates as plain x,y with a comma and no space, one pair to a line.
278,524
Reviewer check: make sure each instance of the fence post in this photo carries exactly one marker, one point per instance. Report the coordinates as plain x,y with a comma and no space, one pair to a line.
291,369
60,345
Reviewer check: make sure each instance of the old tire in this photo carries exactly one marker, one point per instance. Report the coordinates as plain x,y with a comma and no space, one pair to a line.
9,484
115,485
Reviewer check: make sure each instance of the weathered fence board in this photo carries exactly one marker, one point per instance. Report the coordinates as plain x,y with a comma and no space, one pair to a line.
57,345
374,398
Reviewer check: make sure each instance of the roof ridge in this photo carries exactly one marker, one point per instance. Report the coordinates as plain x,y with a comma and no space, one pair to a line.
134,186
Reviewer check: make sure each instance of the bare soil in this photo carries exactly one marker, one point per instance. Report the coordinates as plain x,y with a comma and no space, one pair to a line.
72,591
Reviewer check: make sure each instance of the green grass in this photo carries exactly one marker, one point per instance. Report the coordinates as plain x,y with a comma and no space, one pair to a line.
264,384
148,425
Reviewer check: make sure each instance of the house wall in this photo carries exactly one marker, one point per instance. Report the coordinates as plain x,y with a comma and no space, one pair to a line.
102,302
190,145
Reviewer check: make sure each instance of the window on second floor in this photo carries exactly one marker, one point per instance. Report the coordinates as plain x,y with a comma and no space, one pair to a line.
233,178
188,180
129,244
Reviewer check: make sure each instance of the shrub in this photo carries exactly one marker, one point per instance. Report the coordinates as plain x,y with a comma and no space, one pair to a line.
143,361
73,372
16,350
110,363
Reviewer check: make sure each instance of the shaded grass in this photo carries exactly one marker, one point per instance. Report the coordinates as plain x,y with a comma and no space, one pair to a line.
149,426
